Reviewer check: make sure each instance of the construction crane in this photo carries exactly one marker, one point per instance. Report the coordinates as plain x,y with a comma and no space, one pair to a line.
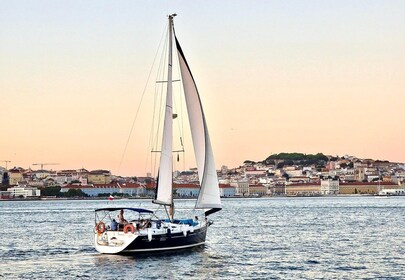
6,161
42,164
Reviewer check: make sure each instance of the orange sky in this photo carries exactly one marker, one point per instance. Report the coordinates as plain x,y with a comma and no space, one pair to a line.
324,76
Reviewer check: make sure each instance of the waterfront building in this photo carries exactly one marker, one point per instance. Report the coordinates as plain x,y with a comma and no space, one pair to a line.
92,189
226,190
5,195
257,190
128,189
306,189
329,187
276,189
25,192
186,190
241,186
192,190
371,188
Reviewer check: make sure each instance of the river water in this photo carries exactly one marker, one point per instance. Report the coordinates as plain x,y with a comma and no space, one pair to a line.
261,238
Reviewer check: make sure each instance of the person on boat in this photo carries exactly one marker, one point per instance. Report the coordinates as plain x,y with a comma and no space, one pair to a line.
140,224
121,218
114,225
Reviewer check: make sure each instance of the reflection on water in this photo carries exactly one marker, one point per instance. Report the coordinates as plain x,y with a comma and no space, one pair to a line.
274,238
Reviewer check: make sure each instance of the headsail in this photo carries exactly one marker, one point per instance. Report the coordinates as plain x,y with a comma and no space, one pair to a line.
209,196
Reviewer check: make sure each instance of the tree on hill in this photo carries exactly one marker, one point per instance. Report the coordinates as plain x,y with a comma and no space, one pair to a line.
280,165
298,158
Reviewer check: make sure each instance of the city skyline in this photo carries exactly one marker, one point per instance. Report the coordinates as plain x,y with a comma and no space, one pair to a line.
286,76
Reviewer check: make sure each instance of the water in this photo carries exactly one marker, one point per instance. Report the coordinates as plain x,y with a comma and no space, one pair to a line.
264,238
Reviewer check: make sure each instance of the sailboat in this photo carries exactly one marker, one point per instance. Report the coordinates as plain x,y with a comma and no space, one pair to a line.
143,231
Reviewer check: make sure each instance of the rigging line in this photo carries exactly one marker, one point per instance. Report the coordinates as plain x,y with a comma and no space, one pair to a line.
159,92
140,103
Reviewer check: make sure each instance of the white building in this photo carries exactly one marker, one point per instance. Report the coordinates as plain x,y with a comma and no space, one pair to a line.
293,172
329,187
24,191
241,187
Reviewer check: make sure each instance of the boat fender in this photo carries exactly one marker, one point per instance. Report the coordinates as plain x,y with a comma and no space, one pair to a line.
129,227
184,231
100,227
192,229
169,233
149,234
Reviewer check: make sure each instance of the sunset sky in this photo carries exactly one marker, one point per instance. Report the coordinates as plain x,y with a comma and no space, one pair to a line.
274,76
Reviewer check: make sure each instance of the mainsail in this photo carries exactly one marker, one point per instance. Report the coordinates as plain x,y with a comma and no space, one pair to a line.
164,185
209,196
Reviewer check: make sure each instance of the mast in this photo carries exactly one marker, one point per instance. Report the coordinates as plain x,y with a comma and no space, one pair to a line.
164,194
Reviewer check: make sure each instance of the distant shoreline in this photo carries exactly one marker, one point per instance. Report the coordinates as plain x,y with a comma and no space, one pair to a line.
148,198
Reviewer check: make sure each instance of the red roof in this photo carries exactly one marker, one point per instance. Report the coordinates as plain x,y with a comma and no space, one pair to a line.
179,186
368,184
305,184
225,186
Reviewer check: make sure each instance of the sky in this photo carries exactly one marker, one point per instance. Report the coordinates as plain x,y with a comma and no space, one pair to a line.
274,76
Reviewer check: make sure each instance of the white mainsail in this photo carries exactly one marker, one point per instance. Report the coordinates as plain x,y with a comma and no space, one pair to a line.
209,196
165,180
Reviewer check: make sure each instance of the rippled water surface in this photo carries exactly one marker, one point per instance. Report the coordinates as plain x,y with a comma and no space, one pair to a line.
264,238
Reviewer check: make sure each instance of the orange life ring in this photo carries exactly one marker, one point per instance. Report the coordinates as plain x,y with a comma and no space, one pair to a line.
129,227
100,227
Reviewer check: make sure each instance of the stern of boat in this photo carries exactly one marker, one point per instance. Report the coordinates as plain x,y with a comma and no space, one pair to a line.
113,242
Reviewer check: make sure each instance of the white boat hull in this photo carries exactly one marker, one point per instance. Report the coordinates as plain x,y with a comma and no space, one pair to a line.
169,237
